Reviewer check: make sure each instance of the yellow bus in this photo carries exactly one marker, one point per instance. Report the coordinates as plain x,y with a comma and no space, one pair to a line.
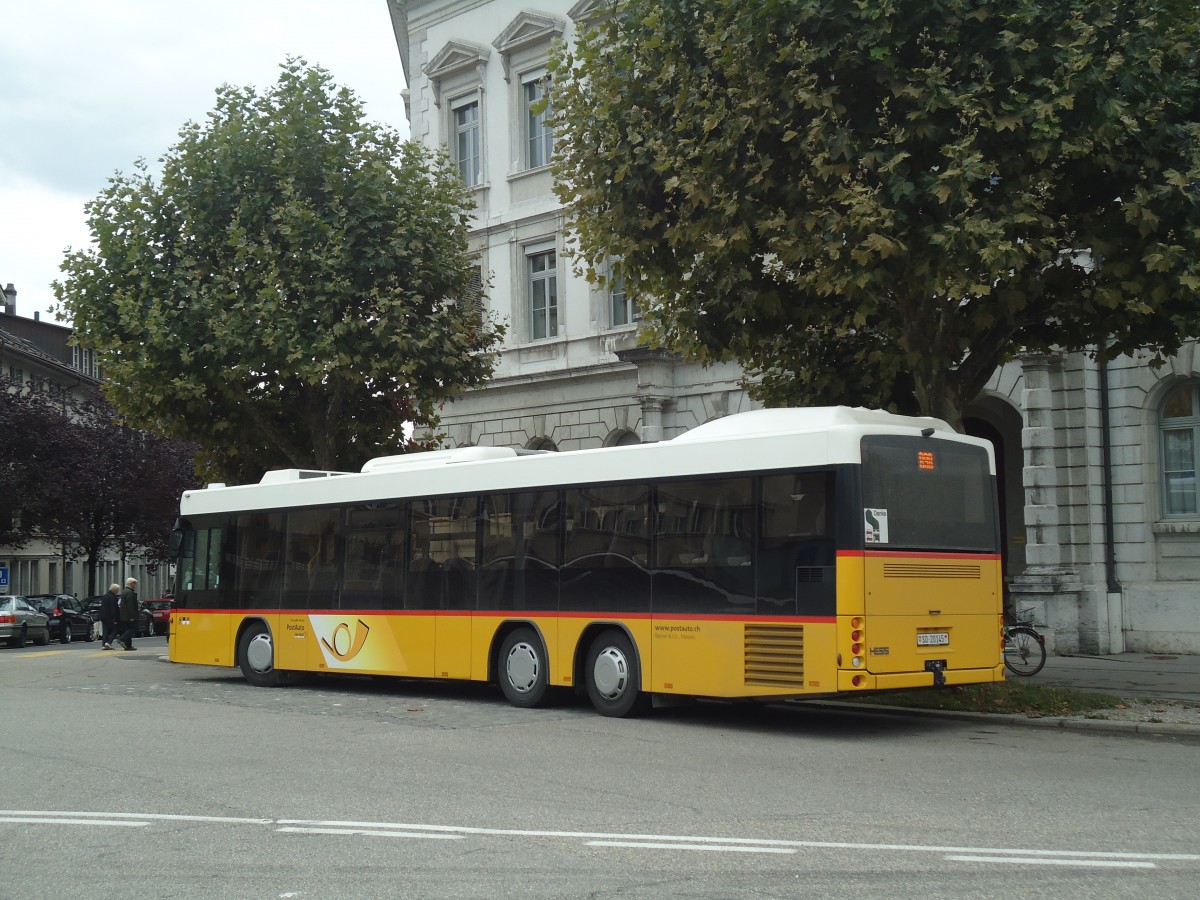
781,553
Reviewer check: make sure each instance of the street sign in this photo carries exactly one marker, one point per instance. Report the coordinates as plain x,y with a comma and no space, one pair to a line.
3,579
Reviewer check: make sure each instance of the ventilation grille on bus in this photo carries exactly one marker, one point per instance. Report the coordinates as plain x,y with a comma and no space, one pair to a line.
930,570
814,574
775,655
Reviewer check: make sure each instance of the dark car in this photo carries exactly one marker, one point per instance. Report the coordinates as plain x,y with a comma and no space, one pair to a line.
145,623
160,612
68,621
20,621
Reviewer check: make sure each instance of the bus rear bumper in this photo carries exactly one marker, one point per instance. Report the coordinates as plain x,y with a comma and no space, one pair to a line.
850,680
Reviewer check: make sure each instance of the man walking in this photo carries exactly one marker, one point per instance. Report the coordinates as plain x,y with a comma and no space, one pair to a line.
110,614
129,613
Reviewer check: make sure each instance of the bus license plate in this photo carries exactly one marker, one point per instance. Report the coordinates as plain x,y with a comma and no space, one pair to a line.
932,638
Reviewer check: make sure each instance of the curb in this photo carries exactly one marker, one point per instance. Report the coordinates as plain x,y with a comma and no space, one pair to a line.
1073,723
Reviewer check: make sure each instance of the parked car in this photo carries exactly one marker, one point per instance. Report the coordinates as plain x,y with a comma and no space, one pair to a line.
145,624
20,621
160,612
68,621
91,606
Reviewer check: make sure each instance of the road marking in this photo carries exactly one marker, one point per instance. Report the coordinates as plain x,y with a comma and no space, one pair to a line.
664,845
373,832
1027,856
1044,861
50,820
38,654
161,817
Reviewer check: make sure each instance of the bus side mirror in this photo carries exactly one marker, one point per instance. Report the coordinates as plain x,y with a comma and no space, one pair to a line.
178,545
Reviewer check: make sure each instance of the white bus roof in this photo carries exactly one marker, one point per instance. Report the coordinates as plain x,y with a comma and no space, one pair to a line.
760,440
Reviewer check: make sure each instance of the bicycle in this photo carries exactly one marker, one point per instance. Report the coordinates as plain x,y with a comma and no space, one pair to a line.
1024,648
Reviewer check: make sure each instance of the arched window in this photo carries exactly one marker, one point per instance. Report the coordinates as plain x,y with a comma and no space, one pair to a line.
1179,426
541,443
621,438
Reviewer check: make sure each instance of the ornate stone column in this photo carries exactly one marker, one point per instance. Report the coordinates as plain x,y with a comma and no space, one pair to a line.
655,387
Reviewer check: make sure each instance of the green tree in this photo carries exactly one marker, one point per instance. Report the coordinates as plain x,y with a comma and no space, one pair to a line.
287,294
869,200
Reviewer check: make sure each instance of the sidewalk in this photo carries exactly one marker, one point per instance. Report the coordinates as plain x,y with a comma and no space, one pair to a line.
1161,693
1142,676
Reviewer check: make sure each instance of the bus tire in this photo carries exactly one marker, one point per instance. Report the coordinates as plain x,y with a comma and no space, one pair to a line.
614,677
256,657
523,669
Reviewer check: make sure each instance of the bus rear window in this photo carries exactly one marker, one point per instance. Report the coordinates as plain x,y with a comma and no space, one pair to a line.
927,494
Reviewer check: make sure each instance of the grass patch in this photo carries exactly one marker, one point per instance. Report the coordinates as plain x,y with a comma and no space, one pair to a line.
1032,700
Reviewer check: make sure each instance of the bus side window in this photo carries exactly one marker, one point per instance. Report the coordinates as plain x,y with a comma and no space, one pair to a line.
796,551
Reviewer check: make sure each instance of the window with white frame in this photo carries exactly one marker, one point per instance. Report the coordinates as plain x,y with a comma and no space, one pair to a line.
456,76
468,139
84,360
524,46
623,309
539,137
541,276
1179,430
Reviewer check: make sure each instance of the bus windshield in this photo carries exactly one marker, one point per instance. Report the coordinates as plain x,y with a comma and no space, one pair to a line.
927,494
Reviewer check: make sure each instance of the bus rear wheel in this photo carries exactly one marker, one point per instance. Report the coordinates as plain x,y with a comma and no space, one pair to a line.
614,677
523,670
256,657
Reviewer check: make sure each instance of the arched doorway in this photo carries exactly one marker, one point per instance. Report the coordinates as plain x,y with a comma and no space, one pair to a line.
997,420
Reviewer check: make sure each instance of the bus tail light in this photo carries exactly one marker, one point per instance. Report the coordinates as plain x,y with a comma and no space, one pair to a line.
856,647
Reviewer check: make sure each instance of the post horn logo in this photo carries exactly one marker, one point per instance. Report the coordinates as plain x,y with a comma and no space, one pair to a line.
344,644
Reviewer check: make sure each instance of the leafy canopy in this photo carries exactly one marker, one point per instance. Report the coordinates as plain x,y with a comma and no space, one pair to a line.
286,294
881,201
73,475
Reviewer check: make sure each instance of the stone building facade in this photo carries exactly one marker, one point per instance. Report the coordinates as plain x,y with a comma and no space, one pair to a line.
1102,540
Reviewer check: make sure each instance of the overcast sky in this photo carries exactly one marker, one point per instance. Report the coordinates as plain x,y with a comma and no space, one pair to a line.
86,88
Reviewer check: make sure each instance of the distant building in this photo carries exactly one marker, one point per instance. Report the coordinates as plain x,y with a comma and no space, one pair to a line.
38,355
1097,464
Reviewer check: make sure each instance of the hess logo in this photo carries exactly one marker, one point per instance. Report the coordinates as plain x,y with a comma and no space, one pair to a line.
344,644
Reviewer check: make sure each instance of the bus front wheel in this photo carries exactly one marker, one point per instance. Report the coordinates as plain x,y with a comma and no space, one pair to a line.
613,676
256,657
523,669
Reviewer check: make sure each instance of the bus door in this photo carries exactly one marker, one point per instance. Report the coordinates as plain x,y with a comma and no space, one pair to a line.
200,627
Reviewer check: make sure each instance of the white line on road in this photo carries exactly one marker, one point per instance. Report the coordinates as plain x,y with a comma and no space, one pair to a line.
162,817
53,820
663,845
602,838
373,832
1045,861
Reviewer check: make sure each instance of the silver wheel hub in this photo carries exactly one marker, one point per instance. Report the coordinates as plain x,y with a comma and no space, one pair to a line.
260,655
522,667
610,673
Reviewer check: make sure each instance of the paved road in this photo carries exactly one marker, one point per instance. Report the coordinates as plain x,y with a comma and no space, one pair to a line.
172,781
